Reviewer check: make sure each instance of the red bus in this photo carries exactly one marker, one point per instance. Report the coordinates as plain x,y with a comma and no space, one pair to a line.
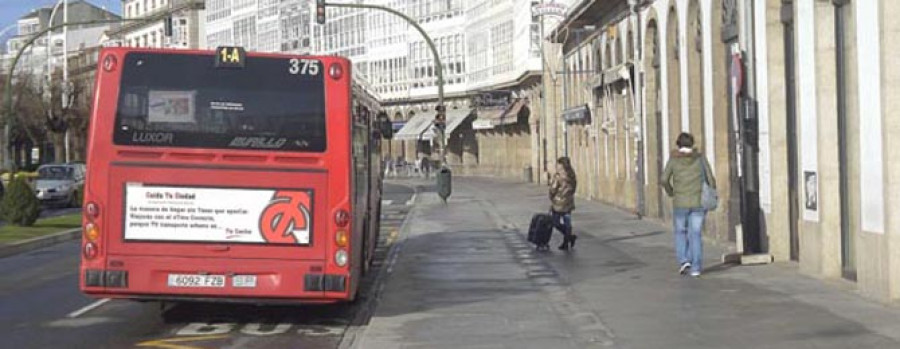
230,176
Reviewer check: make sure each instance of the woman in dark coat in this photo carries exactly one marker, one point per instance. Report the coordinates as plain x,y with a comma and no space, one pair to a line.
562,198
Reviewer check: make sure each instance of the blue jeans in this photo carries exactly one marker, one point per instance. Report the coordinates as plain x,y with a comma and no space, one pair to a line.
563,222
688,238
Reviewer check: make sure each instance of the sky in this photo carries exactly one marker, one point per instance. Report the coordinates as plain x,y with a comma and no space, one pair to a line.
11,10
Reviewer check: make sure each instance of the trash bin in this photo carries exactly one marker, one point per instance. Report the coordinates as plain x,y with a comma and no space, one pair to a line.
444,187
527,175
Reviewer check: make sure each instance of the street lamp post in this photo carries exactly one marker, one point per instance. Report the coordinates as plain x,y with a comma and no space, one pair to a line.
66,92
441,109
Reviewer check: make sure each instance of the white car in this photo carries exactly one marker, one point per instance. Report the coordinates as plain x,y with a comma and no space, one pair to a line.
60,184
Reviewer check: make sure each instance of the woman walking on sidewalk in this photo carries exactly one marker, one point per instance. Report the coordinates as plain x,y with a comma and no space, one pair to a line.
562,198
683,180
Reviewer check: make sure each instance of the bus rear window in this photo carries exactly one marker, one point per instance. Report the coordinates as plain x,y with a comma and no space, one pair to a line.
182,100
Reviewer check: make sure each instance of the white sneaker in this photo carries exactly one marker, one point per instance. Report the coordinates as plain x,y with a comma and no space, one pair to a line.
695,274
684,268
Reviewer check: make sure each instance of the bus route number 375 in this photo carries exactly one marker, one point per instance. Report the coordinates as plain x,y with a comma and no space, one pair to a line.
303,67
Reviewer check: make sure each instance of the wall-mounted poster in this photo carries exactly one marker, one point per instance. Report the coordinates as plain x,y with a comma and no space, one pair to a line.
811,185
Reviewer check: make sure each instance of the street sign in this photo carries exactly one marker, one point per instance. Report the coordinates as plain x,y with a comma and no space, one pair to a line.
551,9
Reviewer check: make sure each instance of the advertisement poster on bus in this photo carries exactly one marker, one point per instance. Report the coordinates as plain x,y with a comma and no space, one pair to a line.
221,215
171,106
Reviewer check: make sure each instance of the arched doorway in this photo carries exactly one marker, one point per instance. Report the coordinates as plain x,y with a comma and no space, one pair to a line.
654,131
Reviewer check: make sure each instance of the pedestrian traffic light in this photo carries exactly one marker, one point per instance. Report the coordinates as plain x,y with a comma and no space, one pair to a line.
320,11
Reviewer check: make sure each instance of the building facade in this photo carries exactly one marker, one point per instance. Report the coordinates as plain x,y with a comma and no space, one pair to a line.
263,26
490,58
187,24
788,99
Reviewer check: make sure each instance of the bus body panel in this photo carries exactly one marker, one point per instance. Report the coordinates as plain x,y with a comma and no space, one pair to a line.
328,174
147,276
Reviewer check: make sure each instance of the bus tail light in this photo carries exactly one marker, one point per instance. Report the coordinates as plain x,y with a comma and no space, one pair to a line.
91,232
336,71
341,238
341,258
341,218
92,210
90,250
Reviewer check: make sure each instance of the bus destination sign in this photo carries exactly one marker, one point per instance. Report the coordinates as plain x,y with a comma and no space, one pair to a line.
230,57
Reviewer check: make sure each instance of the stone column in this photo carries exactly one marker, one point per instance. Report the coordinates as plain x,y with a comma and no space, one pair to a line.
829,227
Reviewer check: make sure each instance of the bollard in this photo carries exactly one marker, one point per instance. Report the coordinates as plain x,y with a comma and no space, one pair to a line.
444,187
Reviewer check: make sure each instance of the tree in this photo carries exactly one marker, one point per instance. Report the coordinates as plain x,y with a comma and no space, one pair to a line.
27,123
19,206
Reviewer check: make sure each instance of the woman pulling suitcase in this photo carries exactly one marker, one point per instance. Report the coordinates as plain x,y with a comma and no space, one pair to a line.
562,199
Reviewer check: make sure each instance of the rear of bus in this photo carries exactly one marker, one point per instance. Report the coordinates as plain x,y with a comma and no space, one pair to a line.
217,175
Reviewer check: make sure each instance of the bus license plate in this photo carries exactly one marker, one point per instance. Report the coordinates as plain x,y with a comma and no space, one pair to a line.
187,280
243,281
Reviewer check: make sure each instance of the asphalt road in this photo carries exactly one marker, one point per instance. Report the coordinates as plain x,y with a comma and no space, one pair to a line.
41,307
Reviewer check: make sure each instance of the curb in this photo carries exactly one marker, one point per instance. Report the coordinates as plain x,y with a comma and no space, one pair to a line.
359,324
39,242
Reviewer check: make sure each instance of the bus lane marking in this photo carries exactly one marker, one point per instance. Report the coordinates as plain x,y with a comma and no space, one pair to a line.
88,308
206,328
257,329
169,343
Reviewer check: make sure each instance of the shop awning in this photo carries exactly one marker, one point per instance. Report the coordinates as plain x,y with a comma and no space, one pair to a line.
511,116
486,117
416,127
489,118
455,117
615,74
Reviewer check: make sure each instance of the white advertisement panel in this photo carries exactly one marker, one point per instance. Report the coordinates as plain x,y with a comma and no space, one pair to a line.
171,106
188,214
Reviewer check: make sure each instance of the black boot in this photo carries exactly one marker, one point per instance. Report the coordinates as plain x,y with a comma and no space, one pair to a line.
572,241
565,244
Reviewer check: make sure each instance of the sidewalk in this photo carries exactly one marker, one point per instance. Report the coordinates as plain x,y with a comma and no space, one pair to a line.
466,278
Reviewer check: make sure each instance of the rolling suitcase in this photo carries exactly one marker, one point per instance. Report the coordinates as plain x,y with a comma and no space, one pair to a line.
540,230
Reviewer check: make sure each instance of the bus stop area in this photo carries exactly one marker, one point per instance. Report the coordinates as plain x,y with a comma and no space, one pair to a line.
464,276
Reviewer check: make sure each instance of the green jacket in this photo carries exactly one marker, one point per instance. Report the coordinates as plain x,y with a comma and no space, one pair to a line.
683,179
562,193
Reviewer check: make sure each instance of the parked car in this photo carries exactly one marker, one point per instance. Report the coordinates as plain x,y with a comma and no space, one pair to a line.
60,184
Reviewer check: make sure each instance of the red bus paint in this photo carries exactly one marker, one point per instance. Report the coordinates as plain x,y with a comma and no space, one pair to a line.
226,176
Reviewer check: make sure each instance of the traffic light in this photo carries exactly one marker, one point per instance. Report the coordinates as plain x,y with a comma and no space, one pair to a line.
320,11
440,119
167,26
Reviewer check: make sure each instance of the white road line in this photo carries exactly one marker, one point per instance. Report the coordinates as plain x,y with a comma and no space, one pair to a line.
412,199
88,308
387,202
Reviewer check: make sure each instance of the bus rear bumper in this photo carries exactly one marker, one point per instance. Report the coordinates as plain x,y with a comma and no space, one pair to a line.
217,280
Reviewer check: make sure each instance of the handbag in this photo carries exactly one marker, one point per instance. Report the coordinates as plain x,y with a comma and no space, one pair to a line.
709,198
